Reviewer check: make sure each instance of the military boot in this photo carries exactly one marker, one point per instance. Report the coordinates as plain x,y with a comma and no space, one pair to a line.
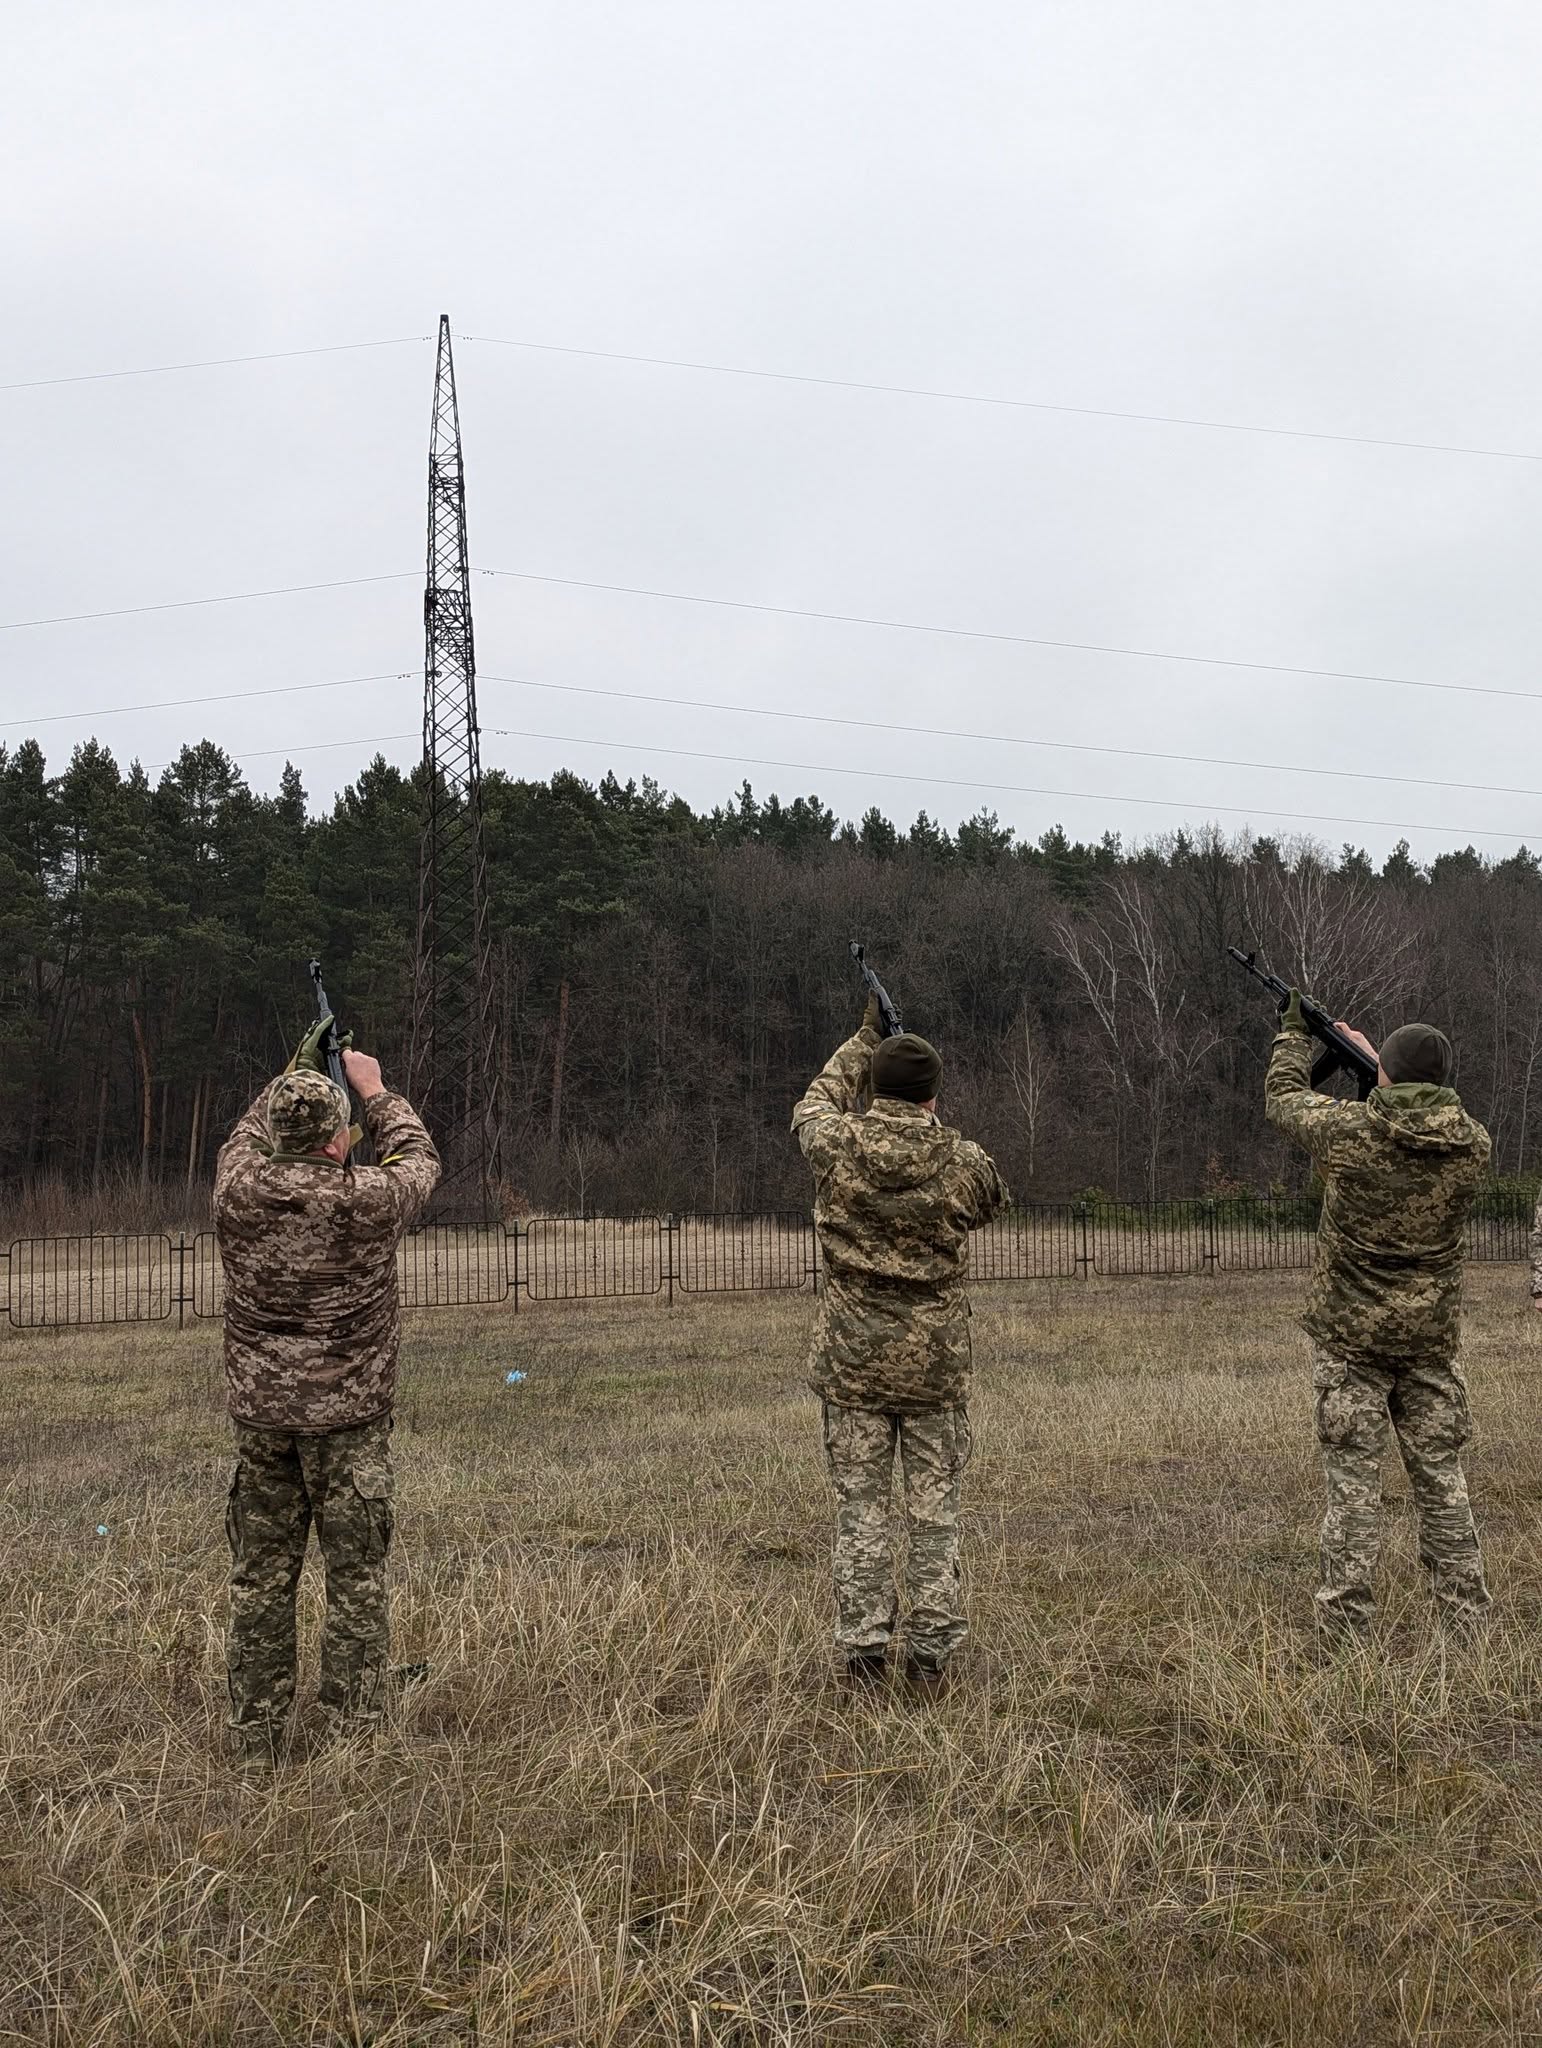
865,1670
256,1748
1337,1642
925,1677
340,1730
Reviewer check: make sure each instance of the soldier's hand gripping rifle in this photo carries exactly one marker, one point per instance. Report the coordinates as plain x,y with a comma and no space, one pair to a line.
1339,1051
888,1013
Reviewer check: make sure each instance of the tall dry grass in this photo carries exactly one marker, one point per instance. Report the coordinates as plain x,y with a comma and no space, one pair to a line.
628,1806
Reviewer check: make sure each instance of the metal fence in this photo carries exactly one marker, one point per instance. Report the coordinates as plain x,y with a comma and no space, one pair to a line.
128,1278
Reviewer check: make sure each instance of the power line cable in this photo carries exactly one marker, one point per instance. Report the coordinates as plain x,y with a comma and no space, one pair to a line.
1099,412
892,775
802,717
1279,668
380,739
400,675
790,377
787,611
182,604
1010,739
1004,788
281,355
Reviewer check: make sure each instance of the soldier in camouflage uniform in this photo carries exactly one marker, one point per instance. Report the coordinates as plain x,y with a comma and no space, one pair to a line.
896,1194
1399,1173
312,1327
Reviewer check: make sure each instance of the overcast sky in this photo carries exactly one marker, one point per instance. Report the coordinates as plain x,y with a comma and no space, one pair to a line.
1310,217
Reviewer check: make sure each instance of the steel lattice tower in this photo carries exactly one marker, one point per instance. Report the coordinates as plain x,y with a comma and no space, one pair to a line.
454,1063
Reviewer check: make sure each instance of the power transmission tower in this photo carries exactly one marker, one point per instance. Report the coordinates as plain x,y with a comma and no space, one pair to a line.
454,1064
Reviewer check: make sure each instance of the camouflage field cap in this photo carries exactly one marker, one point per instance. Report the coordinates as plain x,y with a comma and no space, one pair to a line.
306,1110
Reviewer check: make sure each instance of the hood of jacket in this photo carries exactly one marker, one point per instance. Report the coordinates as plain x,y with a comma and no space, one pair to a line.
1423,1117
899,1144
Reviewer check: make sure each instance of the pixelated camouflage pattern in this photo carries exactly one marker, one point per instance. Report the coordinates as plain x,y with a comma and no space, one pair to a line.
896,1194
933,1447
282,1483
1425,1406
1399,1174
306,1110
312,1321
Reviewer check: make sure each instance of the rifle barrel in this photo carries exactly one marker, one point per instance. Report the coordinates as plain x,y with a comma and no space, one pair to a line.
334,1058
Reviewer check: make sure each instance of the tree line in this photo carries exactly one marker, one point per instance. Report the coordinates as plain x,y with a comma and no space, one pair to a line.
667,980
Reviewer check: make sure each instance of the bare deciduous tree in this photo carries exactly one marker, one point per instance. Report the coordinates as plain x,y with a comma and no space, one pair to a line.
1331,931
1028,1074
1154,1044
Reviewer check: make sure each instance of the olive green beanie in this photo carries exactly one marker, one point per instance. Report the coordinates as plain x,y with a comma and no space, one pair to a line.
1417,1052
907,1067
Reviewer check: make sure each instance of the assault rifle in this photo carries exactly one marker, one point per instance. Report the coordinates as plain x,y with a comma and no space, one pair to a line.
888,1013
1339,1052
331,1052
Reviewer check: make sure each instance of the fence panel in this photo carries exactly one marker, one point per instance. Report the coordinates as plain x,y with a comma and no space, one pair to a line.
586,1258
208,1277
129,1278
453,1265
1498,1240
728,1254
1038,1242
443,1265
1175,1238
83,1280
1279,1239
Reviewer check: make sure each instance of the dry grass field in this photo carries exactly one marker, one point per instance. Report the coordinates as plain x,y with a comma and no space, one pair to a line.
629,1806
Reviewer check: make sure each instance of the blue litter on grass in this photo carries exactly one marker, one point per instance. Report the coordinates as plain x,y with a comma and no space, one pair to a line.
513,1379
101,1528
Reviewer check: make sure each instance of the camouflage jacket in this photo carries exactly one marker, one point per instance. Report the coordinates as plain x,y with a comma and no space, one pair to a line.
312,1318
1399,1173
896,1194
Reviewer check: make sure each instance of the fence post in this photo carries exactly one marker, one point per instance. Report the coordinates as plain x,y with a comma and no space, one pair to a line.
1083,1252
1211,1253
513,1239
670,1243
181,1249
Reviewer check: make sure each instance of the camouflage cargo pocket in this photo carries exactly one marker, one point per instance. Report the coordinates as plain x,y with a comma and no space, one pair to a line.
829,1426
1351,1409
233,1513
1335,1415
376,1487
1459,1374
1444,1417
1327,1373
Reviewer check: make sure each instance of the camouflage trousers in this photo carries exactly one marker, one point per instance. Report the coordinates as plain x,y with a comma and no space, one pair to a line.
1425,1406
933,1447
340,1480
